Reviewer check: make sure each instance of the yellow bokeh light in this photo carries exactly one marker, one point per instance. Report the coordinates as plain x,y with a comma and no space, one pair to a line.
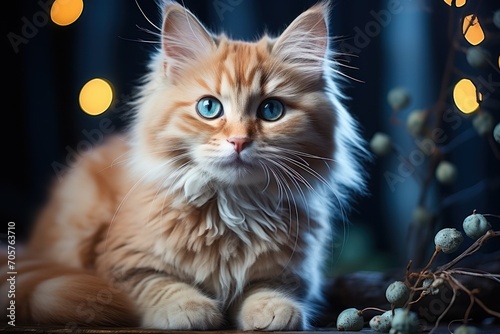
65,12
457,3
466,96
472,30
96,96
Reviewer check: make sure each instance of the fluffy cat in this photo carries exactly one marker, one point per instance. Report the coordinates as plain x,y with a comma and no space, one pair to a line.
216,207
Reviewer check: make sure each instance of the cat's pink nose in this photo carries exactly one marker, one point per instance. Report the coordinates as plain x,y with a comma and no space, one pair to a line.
239,143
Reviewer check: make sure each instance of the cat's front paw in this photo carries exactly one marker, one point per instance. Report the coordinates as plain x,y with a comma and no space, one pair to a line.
270,311
195,312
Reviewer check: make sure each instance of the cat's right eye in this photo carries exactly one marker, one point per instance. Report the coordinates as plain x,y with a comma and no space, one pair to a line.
209,108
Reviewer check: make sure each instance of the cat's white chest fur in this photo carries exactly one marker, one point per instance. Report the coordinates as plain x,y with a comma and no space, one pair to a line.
239,235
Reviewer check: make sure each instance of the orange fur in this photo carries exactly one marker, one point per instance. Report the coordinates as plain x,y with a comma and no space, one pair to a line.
172,227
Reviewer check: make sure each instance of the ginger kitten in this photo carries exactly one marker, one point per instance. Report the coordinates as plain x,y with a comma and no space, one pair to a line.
216,207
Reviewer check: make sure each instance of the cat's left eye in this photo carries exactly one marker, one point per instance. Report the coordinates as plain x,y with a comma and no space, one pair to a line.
271,110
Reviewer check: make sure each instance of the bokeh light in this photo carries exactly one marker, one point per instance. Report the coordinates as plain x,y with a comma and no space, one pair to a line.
457,3
96,96
65,12
466,96
472,30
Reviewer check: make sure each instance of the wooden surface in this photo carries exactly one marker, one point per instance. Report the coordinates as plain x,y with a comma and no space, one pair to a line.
362,289
493,329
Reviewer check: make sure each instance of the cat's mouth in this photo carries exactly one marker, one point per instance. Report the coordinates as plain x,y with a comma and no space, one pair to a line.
236,161
237,169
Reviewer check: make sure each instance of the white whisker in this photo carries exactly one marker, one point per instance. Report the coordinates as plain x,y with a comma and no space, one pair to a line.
266,173
146,17
292,205
304,154
288,193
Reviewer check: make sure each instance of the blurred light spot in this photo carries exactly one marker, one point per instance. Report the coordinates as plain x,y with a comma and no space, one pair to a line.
472,30
498,61
466,96
96,96
457,3
65,12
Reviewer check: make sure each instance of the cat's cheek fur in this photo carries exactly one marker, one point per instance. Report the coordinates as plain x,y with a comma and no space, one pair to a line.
270,310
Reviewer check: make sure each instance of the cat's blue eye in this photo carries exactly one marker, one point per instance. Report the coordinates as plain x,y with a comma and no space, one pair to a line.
209,107
271,110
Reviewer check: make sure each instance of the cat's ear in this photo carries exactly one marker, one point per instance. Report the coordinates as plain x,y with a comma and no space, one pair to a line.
305,41
184,39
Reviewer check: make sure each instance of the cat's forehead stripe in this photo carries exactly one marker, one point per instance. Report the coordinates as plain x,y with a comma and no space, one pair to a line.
240,64
203,83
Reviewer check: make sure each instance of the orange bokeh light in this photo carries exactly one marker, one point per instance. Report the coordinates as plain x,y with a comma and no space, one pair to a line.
65,12
457,3
466,96
472,30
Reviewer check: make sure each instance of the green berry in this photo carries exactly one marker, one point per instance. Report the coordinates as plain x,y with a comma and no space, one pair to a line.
387,314
381,144
380,324
476,225
496,133
421,216
448,240
350,320
477,57
483,123
496,19
397,293
416,122
446,172
398,98
465,330
405,321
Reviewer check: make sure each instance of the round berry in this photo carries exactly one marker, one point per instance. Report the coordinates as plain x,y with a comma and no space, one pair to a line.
421,216
483,123
496,19
380,324
477,57
496,133
448,240
381,144
476,225
398,98
387,314
416,122
397,293
465,330
350,320
446,172
405,321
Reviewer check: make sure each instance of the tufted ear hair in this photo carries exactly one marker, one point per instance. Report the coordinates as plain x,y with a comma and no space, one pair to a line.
305,42
184,38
